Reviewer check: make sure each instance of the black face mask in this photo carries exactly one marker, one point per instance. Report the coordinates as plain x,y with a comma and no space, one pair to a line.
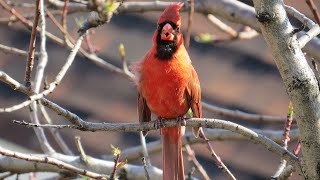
165,48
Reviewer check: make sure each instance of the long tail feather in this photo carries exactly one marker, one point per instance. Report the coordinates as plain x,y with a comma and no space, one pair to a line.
172,159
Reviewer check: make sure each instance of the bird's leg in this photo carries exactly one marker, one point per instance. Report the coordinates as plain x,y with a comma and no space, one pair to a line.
159,123
182,122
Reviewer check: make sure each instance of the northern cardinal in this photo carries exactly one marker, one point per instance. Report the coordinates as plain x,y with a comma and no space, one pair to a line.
168,86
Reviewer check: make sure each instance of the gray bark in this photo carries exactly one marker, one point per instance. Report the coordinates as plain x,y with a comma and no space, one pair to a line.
299,79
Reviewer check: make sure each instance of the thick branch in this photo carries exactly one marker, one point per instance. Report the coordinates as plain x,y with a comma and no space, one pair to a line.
299,80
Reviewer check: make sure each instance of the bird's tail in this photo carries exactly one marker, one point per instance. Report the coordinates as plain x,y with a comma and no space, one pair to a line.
172,159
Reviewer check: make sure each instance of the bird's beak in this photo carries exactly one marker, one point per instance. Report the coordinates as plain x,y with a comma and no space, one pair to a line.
167,32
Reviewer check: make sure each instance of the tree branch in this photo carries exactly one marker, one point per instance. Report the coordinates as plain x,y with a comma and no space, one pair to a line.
194,122
52,85
135,153
298,78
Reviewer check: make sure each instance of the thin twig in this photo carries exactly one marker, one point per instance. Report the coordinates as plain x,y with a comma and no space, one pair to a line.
145,151
234,35
28,23
314,28
69,41
52,85
43,59
16,51
55,133
286,139
13,19
32,45
145,168
83,155
297,148
64,20
258,118
192,157
216,158
116,160
314,10
52,161
190,16
134,153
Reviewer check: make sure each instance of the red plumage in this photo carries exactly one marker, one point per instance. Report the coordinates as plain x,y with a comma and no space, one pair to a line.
168,86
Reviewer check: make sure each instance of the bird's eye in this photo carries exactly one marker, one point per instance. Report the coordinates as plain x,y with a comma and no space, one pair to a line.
178,29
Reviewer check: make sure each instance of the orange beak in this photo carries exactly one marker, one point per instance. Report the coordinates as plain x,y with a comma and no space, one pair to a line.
167,32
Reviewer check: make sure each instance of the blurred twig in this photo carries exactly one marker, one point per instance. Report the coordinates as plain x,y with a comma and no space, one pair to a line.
52,85
16,51
314,10
64,20
216,158
32,45
192,157
286,139
83,155
190,16
145,168
55,133
134,153
243,115
247,33
52,161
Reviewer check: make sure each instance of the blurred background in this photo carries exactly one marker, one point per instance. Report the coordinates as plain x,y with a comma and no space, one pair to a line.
239,75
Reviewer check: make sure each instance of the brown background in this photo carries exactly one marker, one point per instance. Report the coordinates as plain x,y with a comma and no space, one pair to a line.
238,75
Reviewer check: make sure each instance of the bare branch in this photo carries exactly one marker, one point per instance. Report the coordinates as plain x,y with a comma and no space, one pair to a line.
246,34
44,143
314,28
135,153
298,78
49,160
54,132
190,16
243,115
286,139
64,19
32,45
192,157
145,153
83,155
194,122
216,158
12,50
52,85
145,168
314,10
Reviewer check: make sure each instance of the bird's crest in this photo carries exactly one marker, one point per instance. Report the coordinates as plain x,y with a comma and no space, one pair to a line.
171,13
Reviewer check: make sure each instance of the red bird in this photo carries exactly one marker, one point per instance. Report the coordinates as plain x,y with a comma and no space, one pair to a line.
168,86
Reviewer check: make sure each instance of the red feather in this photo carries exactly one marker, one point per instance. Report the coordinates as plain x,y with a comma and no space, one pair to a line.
168,88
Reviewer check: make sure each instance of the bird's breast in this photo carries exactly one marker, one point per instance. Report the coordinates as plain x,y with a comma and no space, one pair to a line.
163,86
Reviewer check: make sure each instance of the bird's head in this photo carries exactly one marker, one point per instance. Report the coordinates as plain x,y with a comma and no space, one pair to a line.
168,36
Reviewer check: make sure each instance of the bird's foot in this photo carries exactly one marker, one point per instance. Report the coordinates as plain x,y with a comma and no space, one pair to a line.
159,122
181,120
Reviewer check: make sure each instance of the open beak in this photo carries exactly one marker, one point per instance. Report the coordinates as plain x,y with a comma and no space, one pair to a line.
167,32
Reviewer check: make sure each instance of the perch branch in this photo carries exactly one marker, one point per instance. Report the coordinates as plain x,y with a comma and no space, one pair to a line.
195,122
